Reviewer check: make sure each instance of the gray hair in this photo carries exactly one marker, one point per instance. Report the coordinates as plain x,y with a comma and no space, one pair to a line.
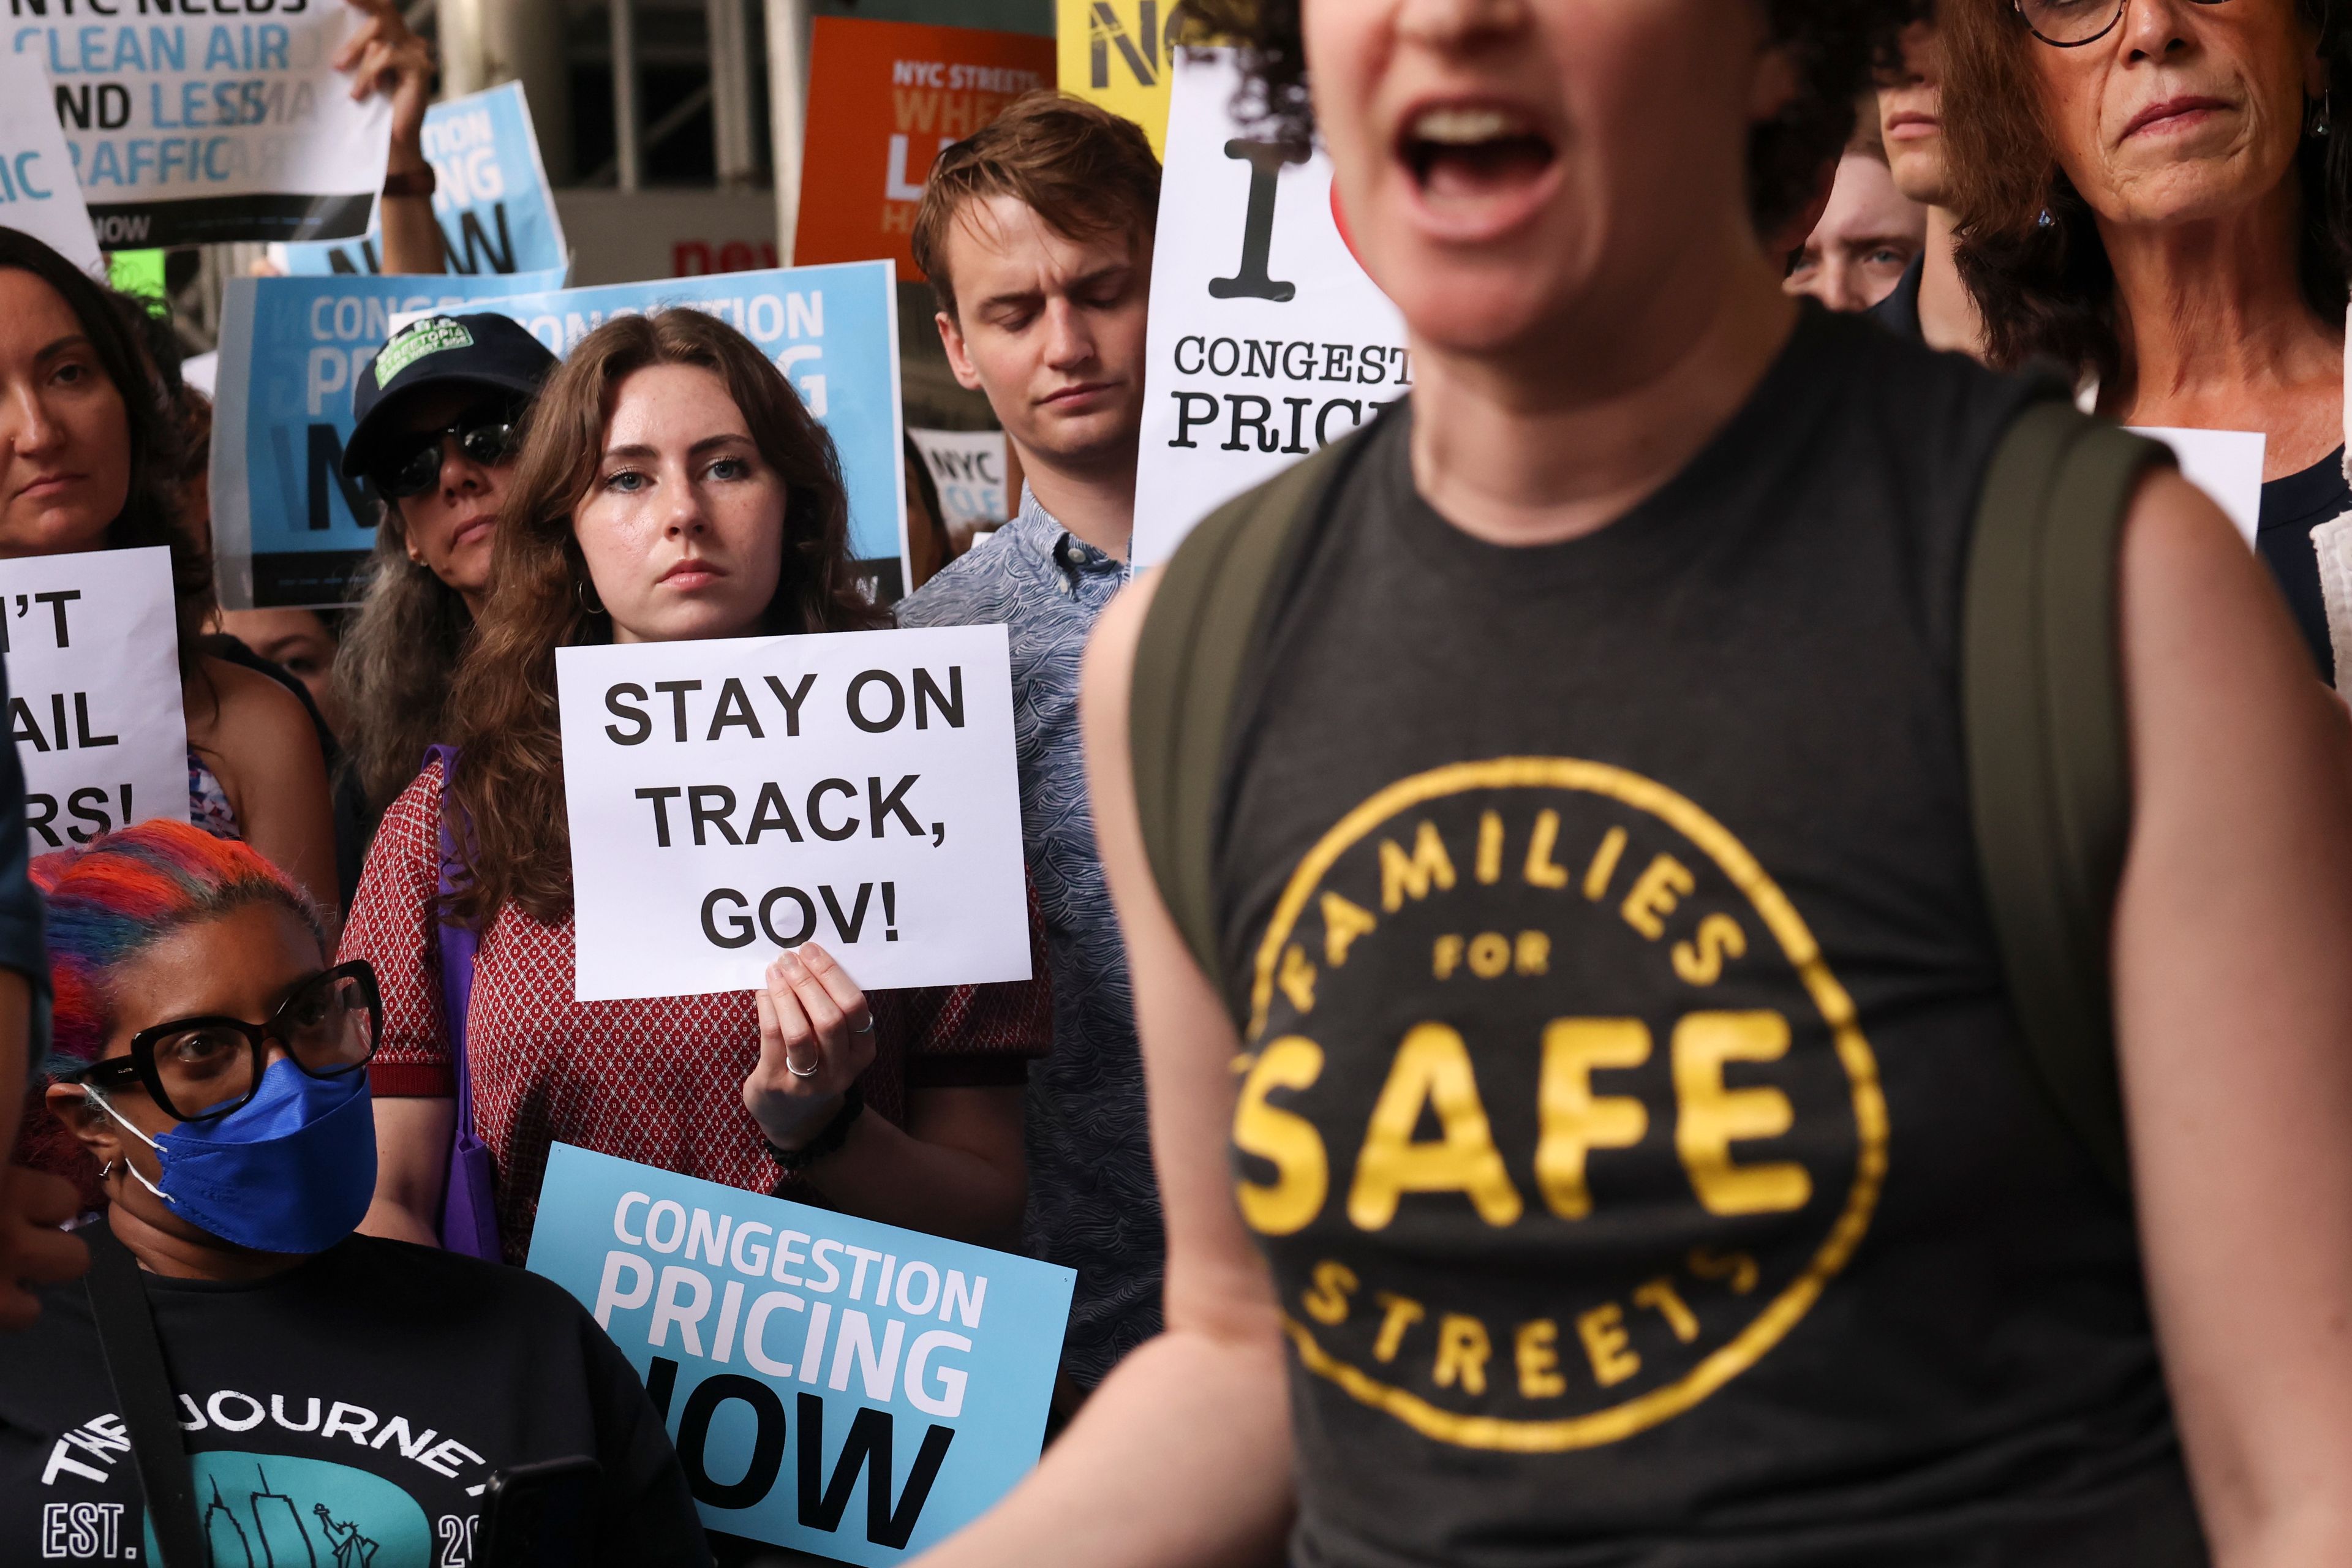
396,663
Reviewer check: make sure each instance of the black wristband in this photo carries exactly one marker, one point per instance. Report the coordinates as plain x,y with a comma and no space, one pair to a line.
793,1162
412,183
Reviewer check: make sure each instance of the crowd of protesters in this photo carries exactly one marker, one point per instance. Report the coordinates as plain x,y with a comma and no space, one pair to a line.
1605,720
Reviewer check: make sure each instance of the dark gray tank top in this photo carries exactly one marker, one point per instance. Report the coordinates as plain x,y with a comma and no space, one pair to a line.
1631,1111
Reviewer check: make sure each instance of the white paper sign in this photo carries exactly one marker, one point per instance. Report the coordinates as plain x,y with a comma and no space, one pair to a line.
2225,464
94,656
968,468
1267,340
38,193
732,798
203,126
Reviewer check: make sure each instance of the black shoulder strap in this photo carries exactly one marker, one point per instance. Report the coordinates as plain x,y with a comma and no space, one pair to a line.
142,1390
1207,609
2048,749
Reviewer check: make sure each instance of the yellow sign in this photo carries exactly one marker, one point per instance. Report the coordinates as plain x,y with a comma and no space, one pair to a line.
1118,53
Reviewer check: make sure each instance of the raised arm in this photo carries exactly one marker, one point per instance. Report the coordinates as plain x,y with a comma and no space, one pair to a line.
385,55
1182,1457
2233,993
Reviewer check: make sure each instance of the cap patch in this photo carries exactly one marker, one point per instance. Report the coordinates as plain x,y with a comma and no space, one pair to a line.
429,336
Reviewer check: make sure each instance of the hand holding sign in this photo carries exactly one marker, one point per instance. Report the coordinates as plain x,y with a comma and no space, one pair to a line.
816,1038
386,56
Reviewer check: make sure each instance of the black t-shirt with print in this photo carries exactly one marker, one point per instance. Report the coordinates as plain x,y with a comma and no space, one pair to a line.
345,1412
1631,1111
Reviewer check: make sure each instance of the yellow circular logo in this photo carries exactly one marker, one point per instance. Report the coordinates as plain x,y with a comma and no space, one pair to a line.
1552,1113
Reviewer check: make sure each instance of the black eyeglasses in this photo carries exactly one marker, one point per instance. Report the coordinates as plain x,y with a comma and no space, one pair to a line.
412,465
200,1068
2070,24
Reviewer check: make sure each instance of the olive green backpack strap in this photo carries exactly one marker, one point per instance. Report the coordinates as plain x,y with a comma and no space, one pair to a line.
2048,752
1208,611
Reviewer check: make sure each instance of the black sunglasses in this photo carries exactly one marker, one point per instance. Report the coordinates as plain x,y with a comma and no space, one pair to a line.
2070,24
412,464
198,1069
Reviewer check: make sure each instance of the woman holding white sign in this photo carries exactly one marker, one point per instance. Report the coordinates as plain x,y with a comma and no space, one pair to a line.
89,463
671,488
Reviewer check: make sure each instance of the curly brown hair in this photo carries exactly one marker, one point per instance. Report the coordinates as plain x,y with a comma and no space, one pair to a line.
1833,43
2030,249
516,844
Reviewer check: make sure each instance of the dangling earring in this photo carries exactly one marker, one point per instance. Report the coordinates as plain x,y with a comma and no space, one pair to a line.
588,593
2320,121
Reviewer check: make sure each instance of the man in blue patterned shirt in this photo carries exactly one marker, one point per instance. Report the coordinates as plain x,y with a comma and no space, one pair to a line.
1036,235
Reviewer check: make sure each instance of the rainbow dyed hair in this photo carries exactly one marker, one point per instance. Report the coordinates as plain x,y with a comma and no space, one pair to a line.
122,892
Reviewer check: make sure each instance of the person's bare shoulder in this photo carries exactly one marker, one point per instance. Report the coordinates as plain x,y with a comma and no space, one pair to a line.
250,723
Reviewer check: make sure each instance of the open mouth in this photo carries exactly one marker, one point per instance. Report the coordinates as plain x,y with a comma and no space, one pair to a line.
1466,154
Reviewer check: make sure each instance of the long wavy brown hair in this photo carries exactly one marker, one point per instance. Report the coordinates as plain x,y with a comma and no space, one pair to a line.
2029,248
507,794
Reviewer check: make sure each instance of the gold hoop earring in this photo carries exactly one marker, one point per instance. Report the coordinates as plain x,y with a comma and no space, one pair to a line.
587,591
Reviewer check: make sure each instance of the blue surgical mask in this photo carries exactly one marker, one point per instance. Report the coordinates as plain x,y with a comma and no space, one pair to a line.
292,1169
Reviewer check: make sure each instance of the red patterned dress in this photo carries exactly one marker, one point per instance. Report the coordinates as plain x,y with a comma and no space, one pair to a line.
658,1080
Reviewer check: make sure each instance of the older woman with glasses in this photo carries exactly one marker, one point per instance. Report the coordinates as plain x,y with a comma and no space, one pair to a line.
2154,193
329,1387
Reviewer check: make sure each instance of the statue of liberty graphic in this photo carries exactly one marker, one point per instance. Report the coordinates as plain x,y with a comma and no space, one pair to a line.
352,1550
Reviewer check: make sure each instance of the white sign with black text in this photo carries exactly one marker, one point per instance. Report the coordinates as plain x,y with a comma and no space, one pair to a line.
39,191
732,798
1267,340
968,470
93,651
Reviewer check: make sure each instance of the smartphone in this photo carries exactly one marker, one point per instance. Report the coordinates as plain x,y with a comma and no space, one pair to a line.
541,1516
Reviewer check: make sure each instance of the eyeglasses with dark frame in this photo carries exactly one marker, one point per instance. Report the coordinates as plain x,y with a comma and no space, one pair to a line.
2070,24
200,1070
485,433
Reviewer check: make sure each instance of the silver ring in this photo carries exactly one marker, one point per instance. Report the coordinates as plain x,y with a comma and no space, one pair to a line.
797,1072
865,1028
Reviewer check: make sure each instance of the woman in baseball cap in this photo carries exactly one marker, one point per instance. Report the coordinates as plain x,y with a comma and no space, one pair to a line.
439,410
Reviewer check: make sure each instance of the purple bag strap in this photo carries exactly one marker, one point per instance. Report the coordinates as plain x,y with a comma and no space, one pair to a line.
457,945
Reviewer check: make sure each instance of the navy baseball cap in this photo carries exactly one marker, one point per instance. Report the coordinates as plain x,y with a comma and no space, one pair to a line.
493,352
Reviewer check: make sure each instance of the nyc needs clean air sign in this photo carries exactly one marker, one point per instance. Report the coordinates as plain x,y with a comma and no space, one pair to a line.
832,1384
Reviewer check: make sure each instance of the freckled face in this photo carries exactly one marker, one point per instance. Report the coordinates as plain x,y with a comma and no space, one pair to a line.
683,528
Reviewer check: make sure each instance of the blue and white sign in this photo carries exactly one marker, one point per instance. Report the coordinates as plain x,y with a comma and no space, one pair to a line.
209,126
491,198
833,331
832,1384
287,528
38,193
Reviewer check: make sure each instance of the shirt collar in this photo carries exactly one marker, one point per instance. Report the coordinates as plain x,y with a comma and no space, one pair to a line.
1072,557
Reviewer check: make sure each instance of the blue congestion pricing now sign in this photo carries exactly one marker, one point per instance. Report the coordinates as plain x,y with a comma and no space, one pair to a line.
287,527
832,1384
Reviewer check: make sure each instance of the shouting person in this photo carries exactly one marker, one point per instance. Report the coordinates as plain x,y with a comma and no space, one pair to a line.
1036,235
1594,1118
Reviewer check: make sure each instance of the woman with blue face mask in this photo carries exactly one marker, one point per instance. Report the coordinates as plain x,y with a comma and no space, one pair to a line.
331,1387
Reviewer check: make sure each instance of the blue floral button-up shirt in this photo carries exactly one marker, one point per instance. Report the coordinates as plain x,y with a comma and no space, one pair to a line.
1093,1205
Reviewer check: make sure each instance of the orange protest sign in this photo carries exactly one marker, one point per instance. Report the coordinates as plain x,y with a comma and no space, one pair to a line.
885,99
